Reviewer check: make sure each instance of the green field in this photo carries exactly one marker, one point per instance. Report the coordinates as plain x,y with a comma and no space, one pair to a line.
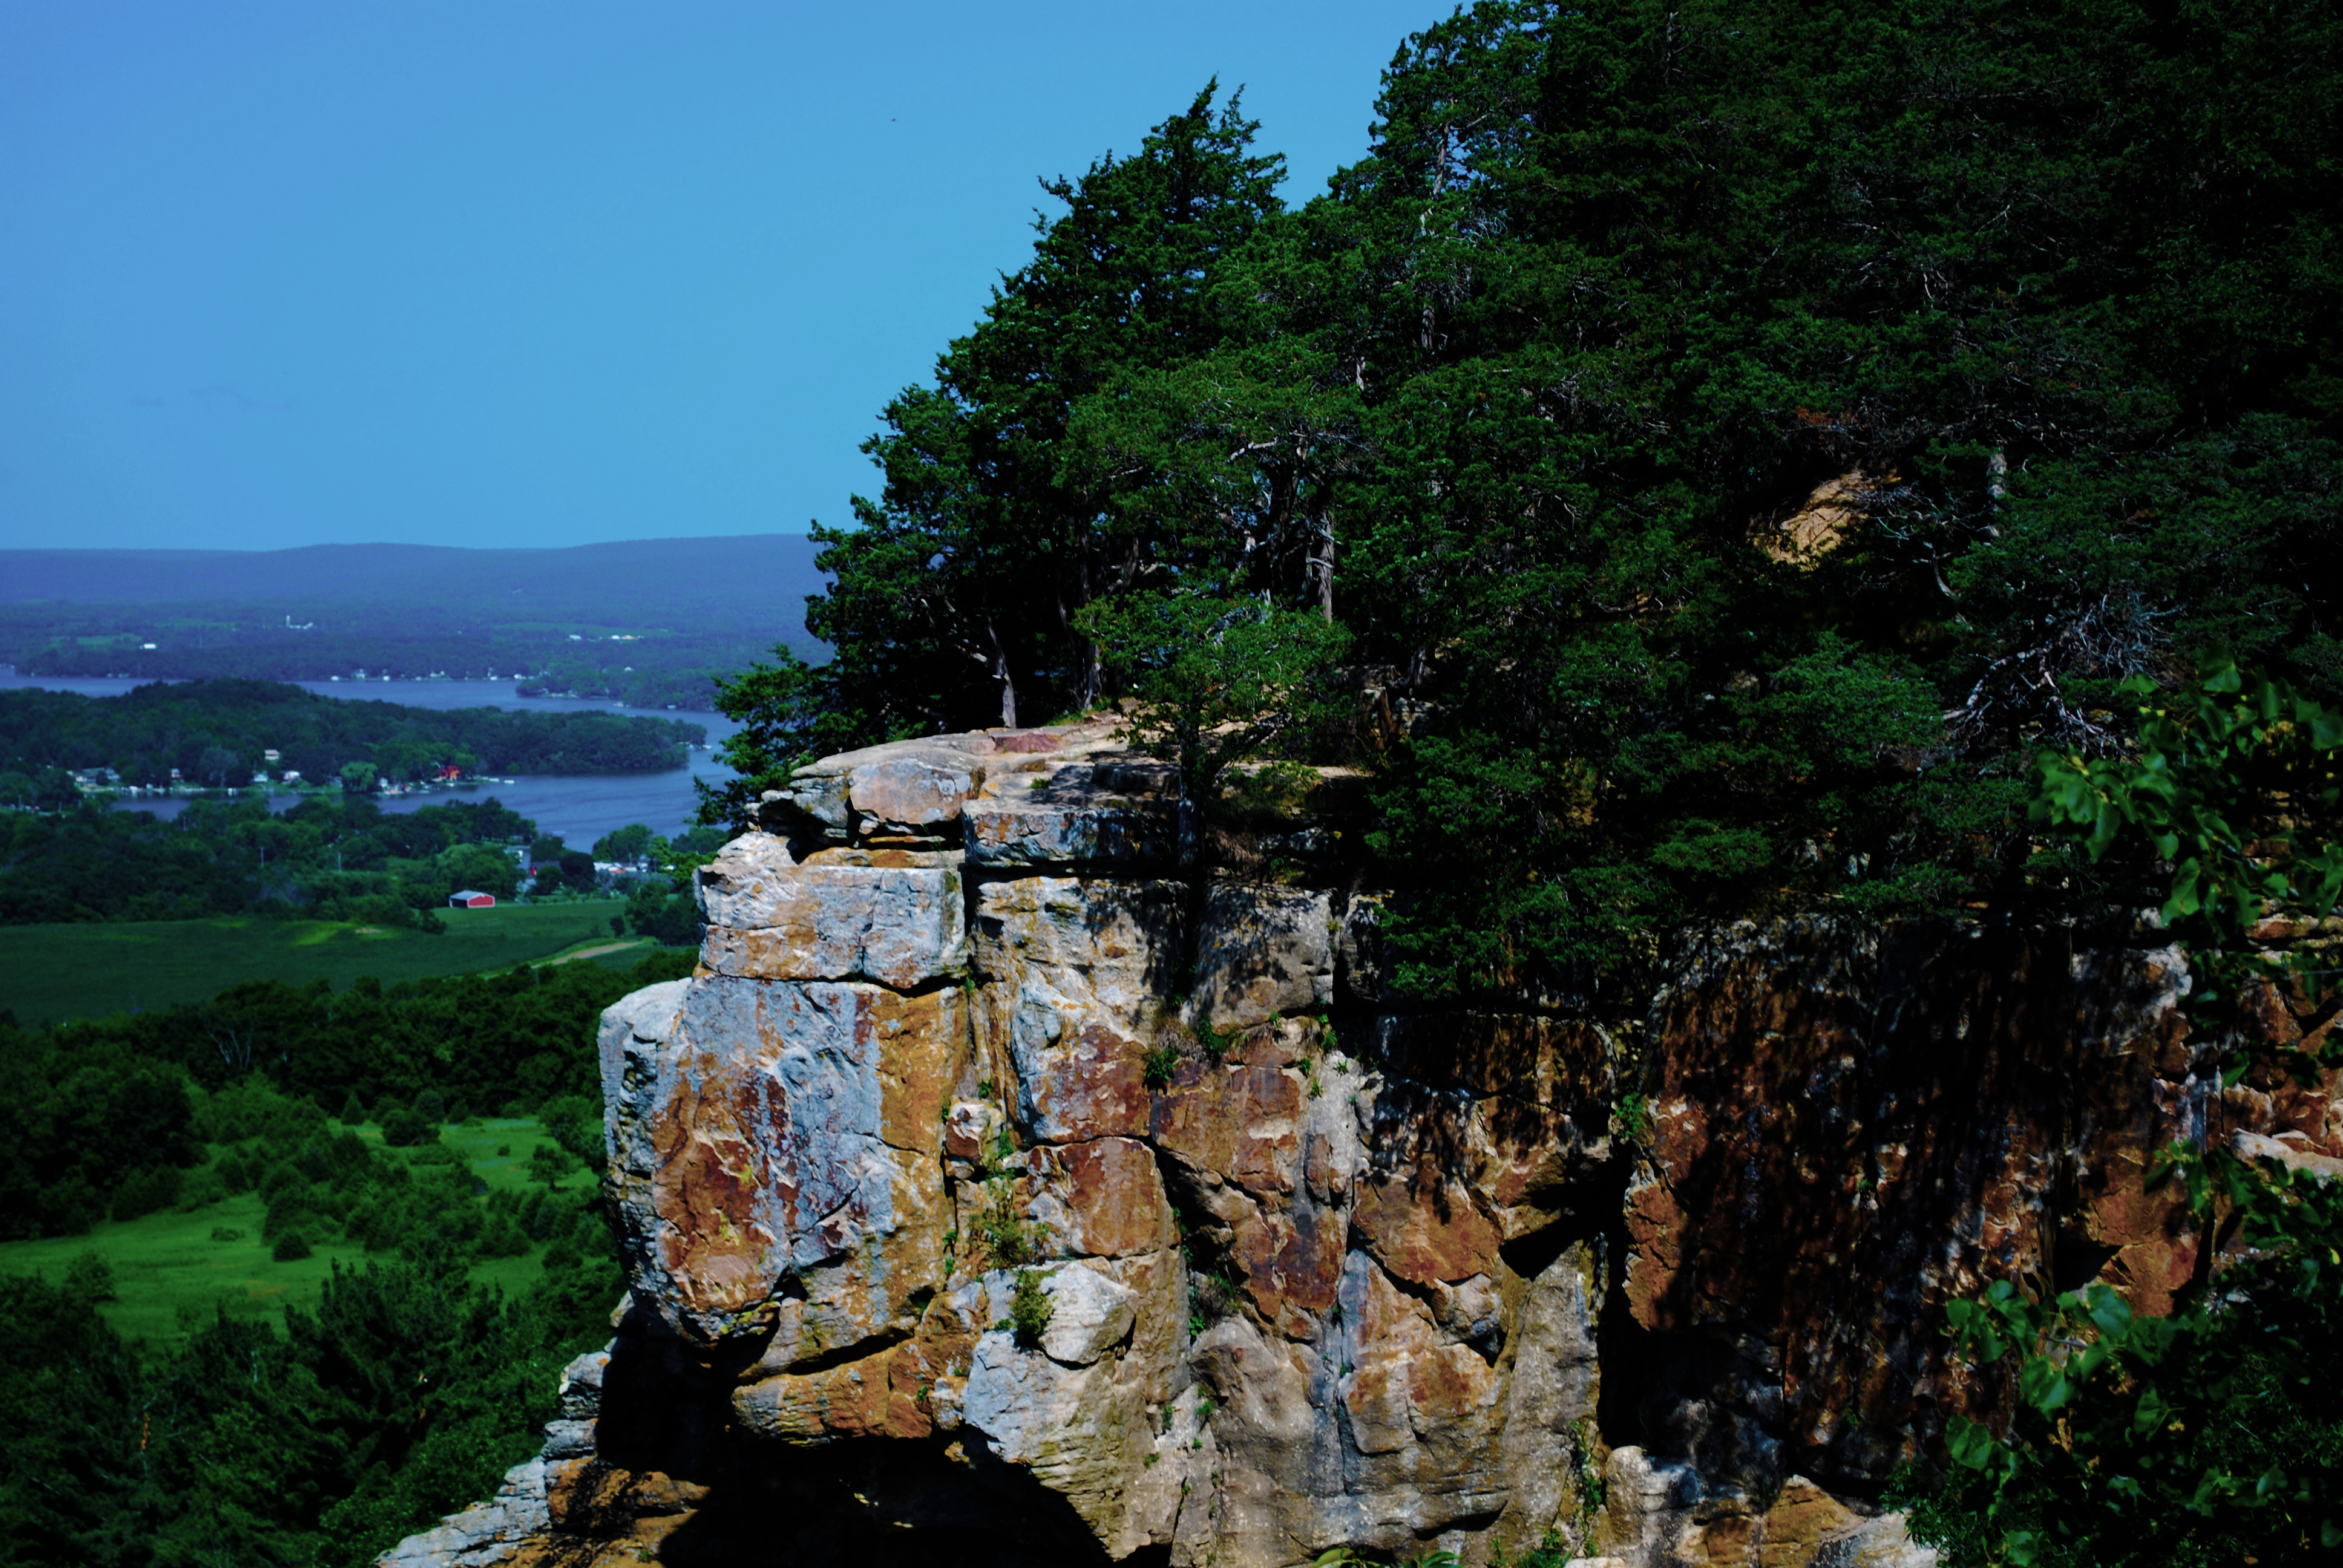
170,1275
52,972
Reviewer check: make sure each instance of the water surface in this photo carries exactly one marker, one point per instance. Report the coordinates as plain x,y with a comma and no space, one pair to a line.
580,808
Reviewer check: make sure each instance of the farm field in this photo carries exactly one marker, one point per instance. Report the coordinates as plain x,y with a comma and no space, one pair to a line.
172,1270
49,973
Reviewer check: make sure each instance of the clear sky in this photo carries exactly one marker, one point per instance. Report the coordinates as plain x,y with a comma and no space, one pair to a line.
541,272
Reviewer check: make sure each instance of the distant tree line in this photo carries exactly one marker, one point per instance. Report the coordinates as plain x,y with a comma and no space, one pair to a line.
327,858
199,641
216,733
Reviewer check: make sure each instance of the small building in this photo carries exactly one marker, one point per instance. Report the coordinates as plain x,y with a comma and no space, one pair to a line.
471,899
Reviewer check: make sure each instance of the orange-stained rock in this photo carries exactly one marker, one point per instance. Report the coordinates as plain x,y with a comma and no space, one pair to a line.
781,1127
873,1397
1848,1126
1290,1262
1424,1227
1102,1199
1093,1085
1238,1122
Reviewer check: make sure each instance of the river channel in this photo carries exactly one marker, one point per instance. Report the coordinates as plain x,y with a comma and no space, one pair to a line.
580,808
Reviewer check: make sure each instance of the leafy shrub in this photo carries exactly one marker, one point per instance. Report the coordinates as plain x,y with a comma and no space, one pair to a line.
502,1237
574,1122
91,1278
549,1162
290,1248
431,1106
202,1189
1008,1240
143,1191
2205,1437
403,1129
1157,1065
1030,1309
294,1207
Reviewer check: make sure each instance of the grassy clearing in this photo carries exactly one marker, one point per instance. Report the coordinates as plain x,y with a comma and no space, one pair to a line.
171,1273
53,973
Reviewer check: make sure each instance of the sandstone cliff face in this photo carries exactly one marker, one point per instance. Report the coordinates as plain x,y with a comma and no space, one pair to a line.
1322,1271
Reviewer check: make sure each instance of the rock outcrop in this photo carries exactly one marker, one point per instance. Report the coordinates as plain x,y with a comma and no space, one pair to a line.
995,1188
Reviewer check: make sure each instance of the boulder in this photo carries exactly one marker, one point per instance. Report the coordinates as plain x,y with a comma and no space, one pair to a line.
893,916
1111,836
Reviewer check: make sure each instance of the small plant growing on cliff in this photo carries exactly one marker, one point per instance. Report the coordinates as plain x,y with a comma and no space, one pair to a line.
1215,1297
1216,1042
1220,682
1008,1240
1631,1117
1157,1065
1030,1309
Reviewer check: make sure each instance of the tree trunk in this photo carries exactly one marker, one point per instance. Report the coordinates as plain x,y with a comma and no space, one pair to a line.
1323,565
1008,683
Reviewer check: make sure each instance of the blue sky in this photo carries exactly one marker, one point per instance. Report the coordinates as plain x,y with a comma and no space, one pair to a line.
515,272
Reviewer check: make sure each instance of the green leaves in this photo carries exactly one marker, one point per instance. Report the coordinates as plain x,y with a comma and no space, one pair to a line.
2201,1437
2234,750
1218,681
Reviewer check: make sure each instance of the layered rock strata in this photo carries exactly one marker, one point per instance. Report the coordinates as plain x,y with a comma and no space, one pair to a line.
995,1188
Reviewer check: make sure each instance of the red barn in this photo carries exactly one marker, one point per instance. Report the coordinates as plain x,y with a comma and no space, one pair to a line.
471,899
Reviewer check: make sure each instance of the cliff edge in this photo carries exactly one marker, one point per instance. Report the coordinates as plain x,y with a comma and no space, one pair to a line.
998,1189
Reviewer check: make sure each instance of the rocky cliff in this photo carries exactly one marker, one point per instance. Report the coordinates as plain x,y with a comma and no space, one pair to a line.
999,1191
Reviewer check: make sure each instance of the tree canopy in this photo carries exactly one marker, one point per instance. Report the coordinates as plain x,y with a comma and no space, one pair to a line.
1733,439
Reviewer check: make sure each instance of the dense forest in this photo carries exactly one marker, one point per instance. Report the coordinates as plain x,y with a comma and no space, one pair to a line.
218,734
1718,447
409,1389
331,858
326,859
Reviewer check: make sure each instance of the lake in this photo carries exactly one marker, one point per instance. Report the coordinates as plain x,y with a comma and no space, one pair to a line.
579,807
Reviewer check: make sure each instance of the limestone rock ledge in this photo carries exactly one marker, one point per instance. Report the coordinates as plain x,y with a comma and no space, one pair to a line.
1320,1269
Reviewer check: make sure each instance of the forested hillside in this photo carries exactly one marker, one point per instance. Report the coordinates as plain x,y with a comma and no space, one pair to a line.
1726,444
408,1387
217,733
